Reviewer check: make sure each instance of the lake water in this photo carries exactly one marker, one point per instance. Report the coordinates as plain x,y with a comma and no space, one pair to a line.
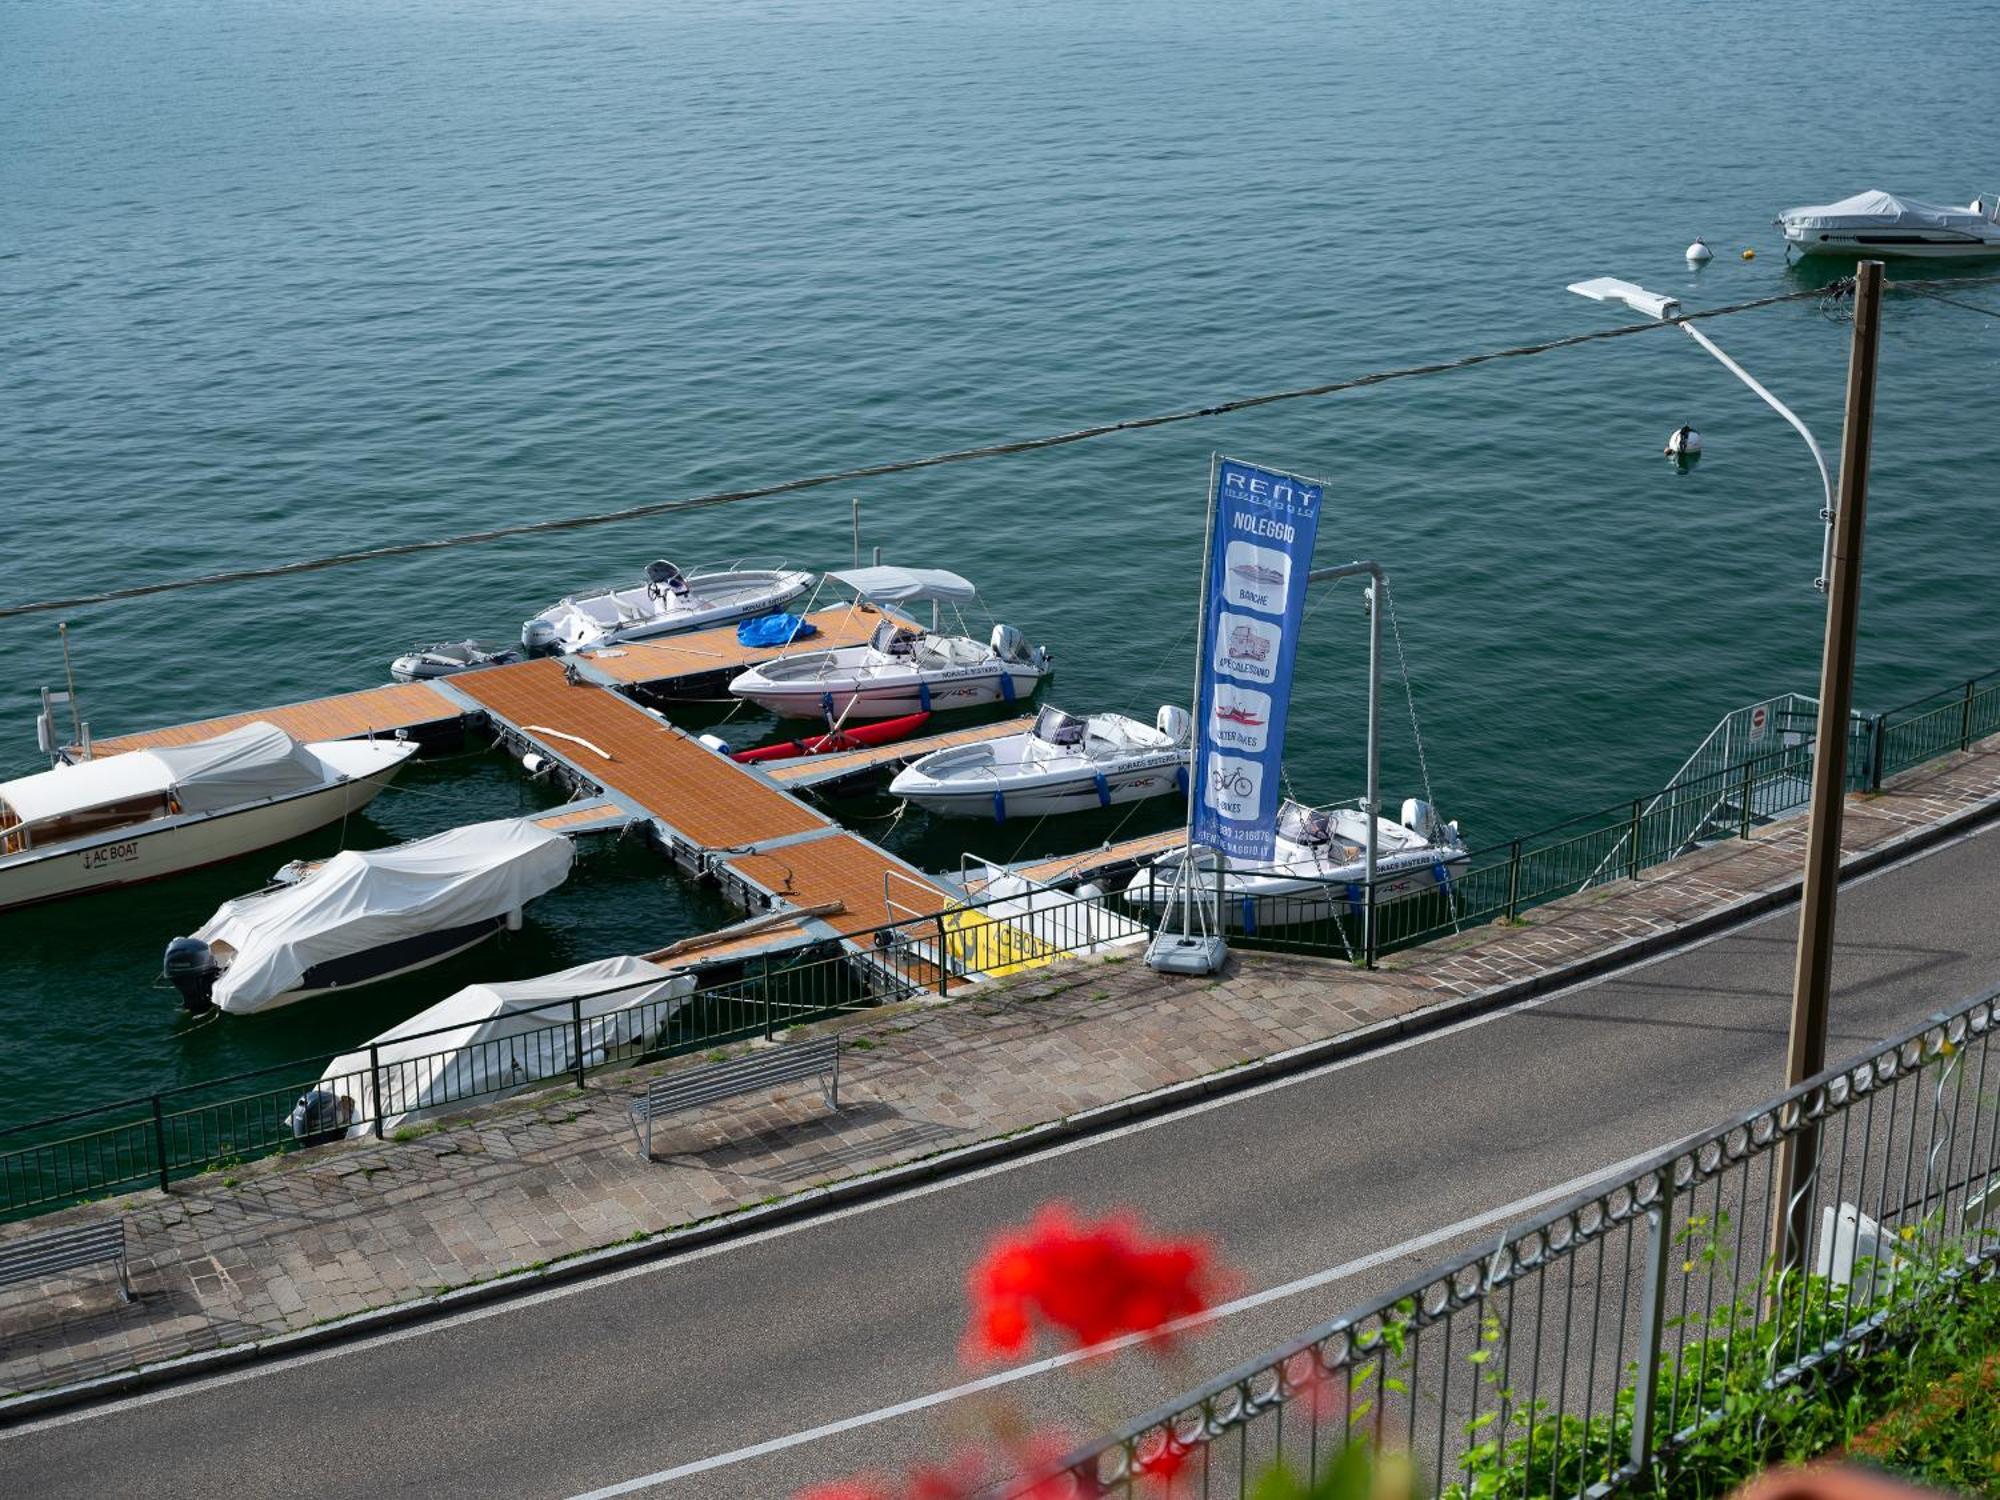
279,279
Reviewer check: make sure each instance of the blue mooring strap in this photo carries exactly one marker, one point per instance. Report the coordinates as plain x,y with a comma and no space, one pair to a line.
826,707
1000,807
1180,780
1354,902
1249,916
1006,685
1103,789
923,695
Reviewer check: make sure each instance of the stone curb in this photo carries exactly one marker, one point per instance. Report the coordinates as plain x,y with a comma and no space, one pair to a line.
890,1180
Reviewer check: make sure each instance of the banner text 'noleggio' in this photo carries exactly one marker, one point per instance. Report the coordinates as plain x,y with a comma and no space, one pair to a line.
1260,551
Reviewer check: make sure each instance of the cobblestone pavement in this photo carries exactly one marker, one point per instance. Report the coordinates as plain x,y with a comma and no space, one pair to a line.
292,1241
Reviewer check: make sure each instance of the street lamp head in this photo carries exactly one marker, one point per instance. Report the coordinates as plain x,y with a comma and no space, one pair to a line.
1611,289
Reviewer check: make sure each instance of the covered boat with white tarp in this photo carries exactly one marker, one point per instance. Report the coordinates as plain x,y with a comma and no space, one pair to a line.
362,917
666,602
905,668
140,814
488,1040
1065,763
1890,224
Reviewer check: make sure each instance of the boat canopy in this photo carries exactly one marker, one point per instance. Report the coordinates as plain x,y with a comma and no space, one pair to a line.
1876,209
900,585
249,764
356,902
489,1037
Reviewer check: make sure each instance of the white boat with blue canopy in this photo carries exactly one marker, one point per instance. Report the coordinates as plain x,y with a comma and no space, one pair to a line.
1065,763
1890,224
905,667
666,602
1319,867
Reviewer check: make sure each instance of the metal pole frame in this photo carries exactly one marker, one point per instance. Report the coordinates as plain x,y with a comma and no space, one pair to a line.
1379,580
1812,979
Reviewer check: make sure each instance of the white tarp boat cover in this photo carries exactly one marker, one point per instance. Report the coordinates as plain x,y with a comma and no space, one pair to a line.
249,764
356,902
899,585
1876,209
488,1038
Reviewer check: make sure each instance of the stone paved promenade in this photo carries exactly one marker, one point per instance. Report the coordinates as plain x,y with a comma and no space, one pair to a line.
295,1241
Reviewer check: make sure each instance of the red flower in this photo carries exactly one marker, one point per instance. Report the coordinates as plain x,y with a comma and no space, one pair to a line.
1089,1282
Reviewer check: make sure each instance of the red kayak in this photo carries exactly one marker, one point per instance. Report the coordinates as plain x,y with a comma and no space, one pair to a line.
881,732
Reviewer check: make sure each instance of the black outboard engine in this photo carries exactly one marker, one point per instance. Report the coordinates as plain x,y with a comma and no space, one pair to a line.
191,968
320,1116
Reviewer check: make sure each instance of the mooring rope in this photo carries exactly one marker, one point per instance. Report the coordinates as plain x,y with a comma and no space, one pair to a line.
909,465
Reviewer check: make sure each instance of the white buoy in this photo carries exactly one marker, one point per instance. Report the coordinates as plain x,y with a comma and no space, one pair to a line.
1698,252
1683,442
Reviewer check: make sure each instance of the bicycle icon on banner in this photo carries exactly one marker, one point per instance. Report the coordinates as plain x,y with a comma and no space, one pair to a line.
1234,783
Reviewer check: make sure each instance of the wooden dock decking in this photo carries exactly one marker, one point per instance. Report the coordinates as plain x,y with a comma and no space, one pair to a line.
816,770
705,797
345,716
1083,866
847,869
700,656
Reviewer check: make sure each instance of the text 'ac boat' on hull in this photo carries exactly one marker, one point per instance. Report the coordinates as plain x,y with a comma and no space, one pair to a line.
905,668
137,815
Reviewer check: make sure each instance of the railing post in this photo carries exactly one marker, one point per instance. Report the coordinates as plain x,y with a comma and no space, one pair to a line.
1965,717
1652,1324
576,1034
1514,880
160,1141
1875,753
1748,795
1369,936
943,959
375,1085
764,991
1634,836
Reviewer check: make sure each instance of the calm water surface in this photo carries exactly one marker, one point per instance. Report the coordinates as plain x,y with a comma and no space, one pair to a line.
278,279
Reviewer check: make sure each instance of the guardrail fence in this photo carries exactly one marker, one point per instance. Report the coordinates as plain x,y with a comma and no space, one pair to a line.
1574,1354
158,1137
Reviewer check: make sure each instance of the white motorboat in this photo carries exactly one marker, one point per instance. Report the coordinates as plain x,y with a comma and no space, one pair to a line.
423,663
1064,764
1888,224
489,1040
359,918
116,819
1319,866
667,602
904,668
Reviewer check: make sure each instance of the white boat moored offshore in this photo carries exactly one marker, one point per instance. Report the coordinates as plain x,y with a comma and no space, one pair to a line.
905,668
1319,867
423,663
1888,224
488,1040
358,918
669,601
1064,764
116,819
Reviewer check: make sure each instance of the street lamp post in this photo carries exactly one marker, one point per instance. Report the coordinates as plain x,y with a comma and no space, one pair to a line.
1797,1157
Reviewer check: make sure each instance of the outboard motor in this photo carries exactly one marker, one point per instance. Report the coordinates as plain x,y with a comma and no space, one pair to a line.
538,638
320,1116
1009,644
1422,819
1173,721
191,968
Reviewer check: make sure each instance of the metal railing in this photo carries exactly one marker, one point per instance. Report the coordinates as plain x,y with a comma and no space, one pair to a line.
198,1127
1583,1349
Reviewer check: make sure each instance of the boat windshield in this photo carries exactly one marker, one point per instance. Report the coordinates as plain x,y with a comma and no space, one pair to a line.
83,822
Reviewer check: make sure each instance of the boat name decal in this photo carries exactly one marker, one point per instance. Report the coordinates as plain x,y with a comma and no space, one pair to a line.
110,854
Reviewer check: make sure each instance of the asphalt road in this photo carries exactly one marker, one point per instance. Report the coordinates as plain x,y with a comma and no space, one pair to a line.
749,1345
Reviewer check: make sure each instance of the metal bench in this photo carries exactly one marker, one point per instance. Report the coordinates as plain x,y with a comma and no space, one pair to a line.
673,1092
64,1250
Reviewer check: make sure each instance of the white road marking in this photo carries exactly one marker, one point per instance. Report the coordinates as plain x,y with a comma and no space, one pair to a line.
1503,1214
204,1384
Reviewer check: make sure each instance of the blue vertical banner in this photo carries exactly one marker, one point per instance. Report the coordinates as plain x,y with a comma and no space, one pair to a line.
1262,527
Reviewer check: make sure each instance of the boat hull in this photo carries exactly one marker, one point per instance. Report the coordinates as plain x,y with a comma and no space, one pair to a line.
374,965
172,846
845,698
999,801
1253,904
1894,245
